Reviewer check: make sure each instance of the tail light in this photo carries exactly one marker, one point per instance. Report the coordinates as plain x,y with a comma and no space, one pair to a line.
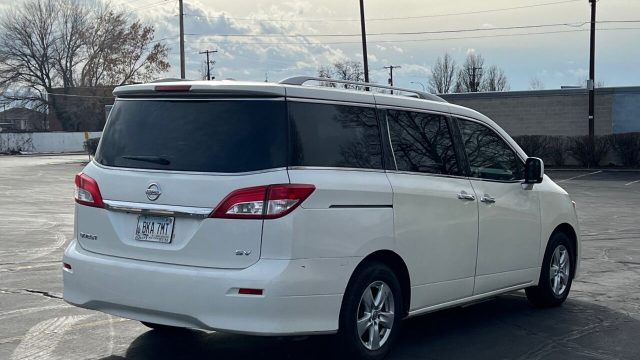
87,191
262,202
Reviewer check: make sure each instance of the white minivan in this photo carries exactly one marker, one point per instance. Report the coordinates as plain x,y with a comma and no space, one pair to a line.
287,209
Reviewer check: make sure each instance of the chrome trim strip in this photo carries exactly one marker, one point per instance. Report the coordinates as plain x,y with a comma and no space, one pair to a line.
401,172
187,172
156,209
404,108
194,97
393,152
360,206
331,102
335,168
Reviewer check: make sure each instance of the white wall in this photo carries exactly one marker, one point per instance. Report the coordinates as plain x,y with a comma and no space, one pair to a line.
52,142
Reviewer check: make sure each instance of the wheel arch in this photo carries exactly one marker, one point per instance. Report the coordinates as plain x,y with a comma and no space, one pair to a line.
399,268
568,230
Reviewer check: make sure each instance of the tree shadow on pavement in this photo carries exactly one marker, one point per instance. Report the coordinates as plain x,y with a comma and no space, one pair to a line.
506,327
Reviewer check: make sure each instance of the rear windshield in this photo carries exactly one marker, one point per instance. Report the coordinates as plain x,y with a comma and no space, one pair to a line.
227,136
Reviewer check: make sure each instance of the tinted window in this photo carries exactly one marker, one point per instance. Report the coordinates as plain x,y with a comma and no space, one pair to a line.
422,142
334,136
489,156
203,135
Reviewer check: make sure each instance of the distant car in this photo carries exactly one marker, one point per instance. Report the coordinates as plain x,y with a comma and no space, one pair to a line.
283,209
91,145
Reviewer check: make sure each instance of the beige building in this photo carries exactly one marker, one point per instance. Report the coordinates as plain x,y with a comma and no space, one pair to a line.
557,112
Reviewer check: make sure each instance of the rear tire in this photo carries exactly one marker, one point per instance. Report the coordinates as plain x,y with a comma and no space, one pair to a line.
159,327
371,312
556,275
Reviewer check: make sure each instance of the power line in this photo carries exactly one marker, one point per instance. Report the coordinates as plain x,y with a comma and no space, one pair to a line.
150,5
309,43
391,18
517,27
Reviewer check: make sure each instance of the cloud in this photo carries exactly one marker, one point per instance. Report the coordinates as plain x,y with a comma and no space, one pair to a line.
414,70
242,52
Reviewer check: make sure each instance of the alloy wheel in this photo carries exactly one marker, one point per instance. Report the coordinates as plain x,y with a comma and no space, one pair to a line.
560,270
375,316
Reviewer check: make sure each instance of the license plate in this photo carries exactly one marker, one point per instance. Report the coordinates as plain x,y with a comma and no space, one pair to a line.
154,228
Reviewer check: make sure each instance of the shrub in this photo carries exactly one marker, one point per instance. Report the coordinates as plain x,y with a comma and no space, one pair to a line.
587,152
558,150
551,149
91,145
534,145
627,148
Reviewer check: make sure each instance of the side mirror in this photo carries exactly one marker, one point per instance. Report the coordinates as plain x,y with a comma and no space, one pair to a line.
533,170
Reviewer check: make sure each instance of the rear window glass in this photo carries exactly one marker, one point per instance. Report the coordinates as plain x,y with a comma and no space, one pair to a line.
328,135
195,135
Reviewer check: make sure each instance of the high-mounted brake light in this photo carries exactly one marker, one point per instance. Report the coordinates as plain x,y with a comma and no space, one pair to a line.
87,191
172,88
262,202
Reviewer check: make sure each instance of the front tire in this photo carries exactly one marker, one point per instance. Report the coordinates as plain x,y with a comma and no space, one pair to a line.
556,274
371,312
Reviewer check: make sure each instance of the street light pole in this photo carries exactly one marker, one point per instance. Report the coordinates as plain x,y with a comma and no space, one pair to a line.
421,84
364,42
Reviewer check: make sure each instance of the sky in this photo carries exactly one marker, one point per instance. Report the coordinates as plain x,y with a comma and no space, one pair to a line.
275,39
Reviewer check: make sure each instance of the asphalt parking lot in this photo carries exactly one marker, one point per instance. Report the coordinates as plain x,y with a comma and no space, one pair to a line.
600,320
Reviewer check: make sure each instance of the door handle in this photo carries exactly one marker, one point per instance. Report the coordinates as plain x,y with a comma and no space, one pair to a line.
463,195
486,198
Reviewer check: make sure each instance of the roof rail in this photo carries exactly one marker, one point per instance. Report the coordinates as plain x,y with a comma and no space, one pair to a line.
299,80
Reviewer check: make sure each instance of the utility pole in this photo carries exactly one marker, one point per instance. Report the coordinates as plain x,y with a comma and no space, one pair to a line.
181,5
592,73
391,67
209,62
364,43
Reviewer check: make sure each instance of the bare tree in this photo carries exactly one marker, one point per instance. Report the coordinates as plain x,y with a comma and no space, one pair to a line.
470,76
49,44
536,84
342,70
473,76
495,80
441,79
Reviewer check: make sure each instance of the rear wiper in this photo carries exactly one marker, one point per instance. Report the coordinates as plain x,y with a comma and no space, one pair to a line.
151,159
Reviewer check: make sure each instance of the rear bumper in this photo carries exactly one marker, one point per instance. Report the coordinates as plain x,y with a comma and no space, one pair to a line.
300,296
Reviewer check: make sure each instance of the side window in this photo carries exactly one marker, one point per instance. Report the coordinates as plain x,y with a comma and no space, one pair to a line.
422,142
489,156
334,136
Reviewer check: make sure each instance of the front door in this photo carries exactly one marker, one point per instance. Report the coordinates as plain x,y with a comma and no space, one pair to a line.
509,212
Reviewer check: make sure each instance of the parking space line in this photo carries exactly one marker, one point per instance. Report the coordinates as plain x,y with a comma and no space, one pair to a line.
579,176
633,182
